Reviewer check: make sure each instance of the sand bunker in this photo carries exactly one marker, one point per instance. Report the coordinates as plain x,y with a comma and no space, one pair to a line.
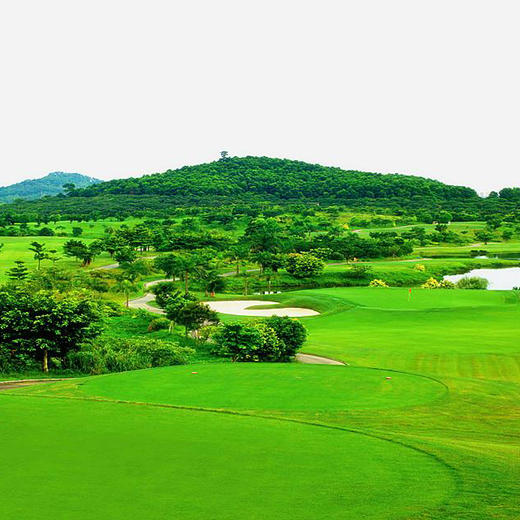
242,308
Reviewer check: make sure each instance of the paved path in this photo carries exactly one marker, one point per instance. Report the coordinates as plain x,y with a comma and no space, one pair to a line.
311,359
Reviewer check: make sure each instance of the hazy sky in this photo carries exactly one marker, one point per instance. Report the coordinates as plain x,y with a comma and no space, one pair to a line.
122,88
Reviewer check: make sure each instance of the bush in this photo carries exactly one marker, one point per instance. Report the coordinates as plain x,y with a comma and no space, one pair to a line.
431,283
274,339
290,332
358,272
119,355
377,283
446,284
158,324
473,283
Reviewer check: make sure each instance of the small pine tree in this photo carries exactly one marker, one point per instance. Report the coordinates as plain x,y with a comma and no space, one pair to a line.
19,271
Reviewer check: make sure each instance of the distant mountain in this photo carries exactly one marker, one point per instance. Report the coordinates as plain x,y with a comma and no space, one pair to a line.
51,184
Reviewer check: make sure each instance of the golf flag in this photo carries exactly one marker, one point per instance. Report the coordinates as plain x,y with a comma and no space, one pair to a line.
409,293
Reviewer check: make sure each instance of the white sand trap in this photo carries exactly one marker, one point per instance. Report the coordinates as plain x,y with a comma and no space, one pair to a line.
241,308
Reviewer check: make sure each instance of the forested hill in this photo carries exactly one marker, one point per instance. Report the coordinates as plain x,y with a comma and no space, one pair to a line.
51,184
267,179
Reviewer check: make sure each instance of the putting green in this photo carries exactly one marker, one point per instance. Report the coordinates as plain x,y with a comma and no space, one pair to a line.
65,459
267,386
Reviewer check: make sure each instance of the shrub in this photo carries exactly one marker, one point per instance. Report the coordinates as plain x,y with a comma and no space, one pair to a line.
118,355
274,339
420,267
290,332
446,284
158,324
358,272
239,341
377,283
473,283
431,283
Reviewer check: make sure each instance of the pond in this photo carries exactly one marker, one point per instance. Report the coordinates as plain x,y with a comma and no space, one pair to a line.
499,279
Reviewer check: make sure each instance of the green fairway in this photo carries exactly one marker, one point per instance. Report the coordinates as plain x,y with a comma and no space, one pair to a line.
90,460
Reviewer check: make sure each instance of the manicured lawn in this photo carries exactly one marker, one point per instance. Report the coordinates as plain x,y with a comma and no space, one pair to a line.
268,387
67,459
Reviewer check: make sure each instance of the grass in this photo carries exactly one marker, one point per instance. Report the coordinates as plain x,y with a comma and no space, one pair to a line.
104,460
17,248
268,387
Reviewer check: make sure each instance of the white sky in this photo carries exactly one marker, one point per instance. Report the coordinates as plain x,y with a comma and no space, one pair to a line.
122,88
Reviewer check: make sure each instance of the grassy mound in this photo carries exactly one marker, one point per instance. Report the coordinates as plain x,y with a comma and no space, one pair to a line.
242,386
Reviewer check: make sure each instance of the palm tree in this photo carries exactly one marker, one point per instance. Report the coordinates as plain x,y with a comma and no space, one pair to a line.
126,287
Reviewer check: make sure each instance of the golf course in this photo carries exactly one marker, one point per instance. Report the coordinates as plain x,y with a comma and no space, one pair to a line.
426,402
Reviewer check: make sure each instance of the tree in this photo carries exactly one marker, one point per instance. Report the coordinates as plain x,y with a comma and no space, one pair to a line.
39,252
215,283
493,222
77,231
192,316
304,265
125,287
53,256
125,255
444,217
165,293
263,234
239,341
484,235
224,155
267,260
43,325
19,272
238,254
68,188
78,250
171,265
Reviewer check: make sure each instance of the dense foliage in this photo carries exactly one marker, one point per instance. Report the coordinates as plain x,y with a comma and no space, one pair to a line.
274,339
276,179
120,354
42,328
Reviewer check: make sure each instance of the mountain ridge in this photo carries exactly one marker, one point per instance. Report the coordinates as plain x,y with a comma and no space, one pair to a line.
50,184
